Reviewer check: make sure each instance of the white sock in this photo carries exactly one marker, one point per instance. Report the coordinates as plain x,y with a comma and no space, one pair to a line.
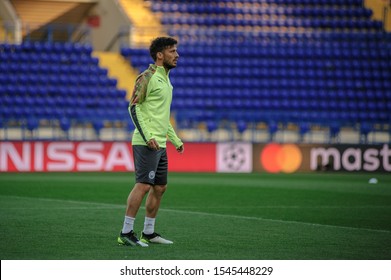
128,224
149,225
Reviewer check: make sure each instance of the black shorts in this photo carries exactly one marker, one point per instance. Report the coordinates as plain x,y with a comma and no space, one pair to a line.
150,166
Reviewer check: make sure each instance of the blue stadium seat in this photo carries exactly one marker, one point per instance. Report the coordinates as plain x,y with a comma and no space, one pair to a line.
45,80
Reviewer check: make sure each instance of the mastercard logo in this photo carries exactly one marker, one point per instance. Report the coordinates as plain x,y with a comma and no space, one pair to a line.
281,158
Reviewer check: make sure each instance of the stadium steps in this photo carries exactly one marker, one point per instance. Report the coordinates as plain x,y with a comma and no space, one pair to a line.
36,14
146,24
119,68
2,31
380,12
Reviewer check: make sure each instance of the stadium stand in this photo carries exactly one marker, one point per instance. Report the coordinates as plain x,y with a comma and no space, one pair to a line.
246,66
307,63
57,83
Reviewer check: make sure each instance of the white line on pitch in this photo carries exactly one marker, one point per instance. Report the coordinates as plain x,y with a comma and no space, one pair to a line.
116,206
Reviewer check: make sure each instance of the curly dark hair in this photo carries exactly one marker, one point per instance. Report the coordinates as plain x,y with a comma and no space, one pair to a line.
159,44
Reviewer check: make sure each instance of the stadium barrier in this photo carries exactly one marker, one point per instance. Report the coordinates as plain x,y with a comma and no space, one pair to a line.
69,156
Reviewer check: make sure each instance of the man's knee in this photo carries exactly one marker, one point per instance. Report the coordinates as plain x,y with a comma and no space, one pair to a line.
160,189
142,187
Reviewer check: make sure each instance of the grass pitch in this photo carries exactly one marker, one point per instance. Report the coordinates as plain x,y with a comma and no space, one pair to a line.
66,216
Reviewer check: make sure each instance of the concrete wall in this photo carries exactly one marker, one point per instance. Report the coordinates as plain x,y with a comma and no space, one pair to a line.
9,16
107,36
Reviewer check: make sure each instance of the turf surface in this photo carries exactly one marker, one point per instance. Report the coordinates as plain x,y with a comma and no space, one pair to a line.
64,216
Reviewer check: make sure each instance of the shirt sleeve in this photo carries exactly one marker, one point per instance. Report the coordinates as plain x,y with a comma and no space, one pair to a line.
140,90
174,139
138,97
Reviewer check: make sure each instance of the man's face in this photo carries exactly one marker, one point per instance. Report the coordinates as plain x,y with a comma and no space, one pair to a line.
170,57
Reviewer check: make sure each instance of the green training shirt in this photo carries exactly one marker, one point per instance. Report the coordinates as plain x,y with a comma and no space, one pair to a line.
149,108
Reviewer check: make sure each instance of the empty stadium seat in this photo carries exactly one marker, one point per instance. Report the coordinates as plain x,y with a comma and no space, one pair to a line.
326,76
56,81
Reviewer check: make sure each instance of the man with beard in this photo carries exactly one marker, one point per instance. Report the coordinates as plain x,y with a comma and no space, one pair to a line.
149,109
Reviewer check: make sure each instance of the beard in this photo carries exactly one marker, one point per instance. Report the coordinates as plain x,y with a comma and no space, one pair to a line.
168,65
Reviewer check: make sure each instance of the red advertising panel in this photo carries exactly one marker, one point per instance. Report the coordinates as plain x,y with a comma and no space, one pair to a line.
198,157
96,156
65,156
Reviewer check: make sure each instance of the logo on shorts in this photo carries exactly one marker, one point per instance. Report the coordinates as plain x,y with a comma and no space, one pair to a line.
151,175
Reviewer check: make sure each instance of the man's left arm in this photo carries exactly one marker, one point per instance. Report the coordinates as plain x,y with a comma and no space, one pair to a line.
174,139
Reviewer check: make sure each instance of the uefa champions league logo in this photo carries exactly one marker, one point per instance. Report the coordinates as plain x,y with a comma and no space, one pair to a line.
234,157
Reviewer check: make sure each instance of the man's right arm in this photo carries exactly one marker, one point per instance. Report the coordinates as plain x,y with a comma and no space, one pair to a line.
138,97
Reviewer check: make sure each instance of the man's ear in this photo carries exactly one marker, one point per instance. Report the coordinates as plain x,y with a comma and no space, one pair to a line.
159,55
